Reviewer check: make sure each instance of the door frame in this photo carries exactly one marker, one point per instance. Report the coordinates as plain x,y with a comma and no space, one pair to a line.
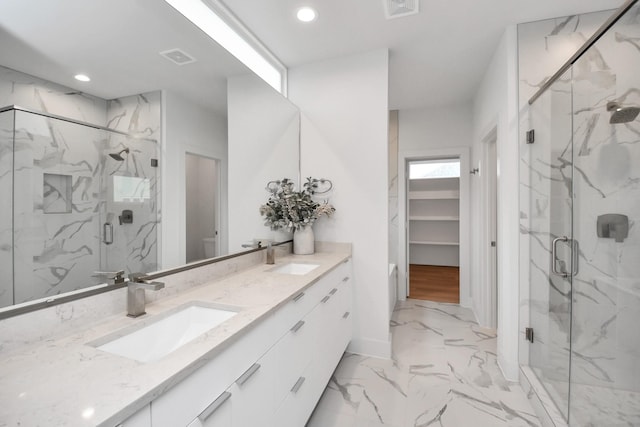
194,151
404,157
489,190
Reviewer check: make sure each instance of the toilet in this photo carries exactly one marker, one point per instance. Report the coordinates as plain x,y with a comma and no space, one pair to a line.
209,247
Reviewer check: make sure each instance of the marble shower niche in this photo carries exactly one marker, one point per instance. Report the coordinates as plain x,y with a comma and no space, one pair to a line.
63,227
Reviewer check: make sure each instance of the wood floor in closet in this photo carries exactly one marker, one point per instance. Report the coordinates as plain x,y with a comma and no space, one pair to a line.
434,283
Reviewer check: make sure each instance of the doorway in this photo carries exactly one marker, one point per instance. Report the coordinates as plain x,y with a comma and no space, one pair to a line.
202,207
433,218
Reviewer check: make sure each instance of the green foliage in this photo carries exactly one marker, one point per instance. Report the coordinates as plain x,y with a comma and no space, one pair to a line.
288,209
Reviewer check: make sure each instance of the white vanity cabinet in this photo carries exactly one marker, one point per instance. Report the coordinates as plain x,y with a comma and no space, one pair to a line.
331,335
274,374
142,418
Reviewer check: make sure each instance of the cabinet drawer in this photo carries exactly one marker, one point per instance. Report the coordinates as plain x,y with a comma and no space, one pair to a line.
301,398
295,351
217,414
253,400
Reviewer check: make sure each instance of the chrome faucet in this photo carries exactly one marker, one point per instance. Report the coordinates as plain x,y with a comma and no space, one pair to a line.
135,294
271,254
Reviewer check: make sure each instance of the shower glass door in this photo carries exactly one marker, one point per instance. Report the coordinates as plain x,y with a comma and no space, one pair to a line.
550,222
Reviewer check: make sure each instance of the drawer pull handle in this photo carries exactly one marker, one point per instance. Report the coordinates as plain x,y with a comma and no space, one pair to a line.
325,299
345,279
298,384
297,326
214,406
345,261
248,374
345,315
297,297
333,291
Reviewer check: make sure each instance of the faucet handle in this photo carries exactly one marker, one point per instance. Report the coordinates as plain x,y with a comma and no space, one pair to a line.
149,286
137,282
115,277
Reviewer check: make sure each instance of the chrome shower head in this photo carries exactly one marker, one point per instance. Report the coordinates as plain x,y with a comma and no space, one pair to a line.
118,156
621,114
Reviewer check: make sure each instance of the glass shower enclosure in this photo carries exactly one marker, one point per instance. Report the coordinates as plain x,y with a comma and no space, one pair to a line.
77,201
584,239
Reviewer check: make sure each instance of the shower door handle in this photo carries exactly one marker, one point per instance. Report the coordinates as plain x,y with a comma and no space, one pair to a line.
575,249
107,233
554,258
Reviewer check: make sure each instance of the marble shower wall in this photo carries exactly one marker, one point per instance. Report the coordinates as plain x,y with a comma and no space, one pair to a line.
6,221
56,220
65,186
605,352
136,246
606,303
393,187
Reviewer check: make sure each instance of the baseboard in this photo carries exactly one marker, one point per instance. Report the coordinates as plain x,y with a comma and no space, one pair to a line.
372,348
510,371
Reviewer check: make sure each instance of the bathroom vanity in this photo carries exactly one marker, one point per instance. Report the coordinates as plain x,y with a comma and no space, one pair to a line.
266,364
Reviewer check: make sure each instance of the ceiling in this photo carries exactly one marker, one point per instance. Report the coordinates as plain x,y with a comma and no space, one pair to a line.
117,43
437,57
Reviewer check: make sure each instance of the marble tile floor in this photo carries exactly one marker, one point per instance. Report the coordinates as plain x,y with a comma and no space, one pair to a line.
443,373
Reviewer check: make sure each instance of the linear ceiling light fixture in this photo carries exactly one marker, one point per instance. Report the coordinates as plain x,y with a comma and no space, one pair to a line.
204,17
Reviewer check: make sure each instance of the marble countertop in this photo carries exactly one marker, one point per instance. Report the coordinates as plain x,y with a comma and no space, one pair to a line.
63,381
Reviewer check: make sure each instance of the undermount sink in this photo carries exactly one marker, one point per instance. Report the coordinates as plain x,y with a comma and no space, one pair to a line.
295,268
167,334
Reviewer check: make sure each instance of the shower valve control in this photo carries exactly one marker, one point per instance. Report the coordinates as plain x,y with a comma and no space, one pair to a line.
126,217
613,226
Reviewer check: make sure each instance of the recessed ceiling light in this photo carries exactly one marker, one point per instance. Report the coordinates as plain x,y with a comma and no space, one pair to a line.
306,14
82,77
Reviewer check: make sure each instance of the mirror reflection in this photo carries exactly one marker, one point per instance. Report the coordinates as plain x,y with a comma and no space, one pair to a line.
160,159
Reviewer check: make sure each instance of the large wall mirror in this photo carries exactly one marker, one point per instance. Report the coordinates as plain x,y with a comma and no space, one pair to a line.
161,159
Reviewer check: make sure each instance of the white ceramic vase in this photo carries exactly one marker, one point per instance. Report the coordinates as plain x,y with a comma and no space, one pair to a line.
303,241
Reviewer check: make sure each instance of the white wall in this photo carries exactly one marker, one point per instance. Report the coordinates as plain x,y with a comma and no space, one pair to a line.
187,129
344,105
495,107
427,128
264,133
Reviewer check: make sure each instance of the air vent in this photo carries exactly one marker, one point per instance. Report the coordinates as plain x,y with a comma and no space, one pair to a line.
400,8
177,56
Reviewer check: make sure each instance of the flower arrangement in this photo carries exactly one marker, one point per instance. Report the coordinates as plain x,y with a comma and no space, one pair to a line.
294,210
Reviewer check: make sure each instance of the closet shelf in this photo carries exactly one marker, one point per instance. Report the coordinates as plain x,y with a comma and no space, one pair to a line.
434,195
433,218
434,243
